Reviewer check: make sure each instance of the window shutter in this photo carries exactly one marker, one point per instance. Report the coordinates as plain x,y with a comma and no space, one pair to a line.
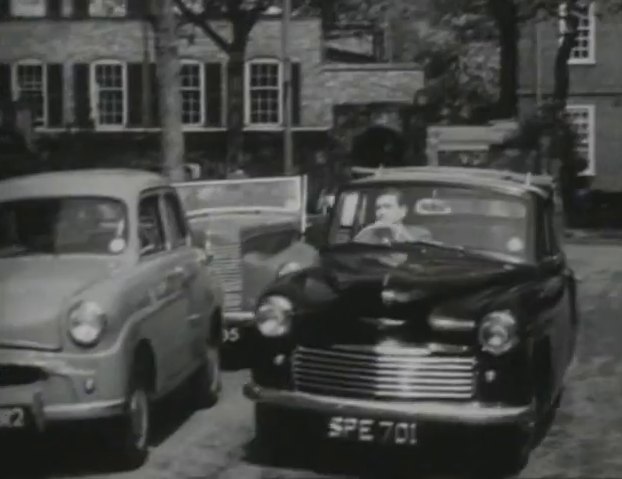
213,94
137,8
155,104
295,97
54,8
135,94
55,94
81,95
5,83
5,8
80,8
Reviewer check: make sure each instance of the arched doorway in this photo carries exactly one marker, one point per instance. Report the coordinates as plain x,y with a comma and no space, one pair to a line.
378,145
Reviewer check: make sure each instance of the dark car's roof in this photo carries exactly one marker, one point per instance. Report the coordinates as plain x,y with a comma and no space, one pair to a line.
504,181
118,183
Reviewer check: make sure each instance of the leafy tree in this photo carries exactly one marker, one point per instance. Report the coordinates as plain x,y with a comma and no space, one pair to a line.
240,16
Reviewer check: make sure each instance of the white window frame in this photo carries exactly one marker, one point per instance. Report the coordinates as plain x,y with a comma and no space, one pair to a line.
591,58
591,146
44,85
247,92
21,15
94,95
98,15
202,94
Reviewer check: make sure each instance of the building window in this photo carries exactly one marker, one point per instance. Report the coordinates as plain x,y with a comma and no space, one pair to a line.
109,94
263,92
29,85
192,94
585,48
107,8
582,117
28,8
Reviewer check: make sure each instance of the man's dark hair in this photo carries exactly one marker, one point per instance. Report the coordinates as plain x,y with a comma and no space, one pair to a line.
399,195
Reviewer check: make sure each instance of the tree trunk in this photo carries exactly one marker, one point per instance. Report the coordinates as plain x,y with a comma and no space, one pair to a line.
562,72
235,105
172,137
505,16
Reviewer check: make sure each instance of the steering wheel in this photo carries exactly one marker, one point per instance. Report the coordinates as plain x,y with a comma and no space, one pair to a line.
378,232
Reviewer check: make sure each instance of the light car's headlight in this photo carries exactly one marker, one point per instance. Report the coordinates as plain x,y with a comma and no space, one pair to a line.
274,316
498,332
287,268
87,322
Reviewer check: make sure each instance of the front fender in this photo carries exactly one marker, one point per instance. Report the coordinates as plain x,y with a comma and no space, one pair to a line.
259,270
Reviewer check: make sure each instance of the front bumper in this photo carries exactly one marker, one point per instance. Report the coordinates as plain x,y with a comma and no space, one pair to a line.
67,387
470,414
238,319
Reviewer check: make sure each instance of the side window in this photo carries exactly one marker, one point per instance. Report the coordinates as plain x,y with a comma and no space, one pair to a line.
150,226
175,220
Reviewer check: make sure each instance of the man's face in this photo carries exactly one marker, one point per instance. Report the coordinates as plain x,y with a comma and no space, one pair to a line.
388,210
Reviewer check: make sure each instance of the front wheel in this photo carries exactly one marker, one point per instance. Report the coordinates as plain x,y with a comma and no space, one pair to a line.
502,454
130,434
207,383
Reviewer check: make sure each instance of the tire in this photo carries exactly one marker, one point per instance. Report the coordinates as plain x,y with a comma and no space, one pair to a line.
207,381
503,455
273,443
131,433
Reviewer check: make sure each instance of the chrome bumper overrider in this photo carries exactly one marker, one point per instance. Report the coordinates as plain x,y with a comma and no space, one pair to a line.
469,413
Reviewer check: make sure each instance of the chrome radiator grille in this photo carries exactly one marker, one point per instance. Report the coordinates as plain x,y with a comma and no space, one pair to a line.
227,265
391,374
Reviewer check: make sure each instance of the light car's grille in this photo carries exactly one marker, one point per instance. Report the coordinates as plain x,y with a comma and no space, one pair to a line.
15,375
396,374
227,265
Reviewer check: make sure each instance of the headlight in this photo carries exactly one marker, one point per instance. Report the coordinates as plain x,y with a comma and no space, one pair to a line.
87,322
274,316
288,268
498,333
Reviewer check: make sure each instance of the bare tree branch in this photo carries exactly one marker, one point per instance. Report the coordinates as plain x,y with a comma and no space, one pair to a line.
202,20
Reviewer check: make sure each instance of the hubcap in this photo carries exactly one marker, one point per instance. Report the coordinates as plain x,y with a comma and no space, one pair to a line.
139,418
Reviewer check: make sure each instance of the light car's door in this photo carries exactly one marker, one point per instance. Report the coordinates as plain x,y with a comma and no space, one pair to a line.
186,273
169,304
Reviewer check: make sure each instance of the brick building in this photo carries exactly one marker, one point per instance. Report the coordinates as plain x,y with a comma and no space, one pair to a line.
595,101
87,66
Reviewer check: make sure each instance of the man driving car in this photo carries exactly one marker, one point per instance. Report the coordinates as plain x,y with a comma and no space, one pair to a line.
390,213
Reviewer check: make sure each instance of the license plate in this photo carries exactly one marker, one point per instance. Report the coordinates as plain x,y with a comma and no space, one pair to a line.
231,335
373,431
12,418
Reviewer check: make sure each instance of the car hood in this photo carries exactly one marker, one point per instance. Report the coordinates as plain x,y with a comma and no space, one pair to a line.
34,292
350,284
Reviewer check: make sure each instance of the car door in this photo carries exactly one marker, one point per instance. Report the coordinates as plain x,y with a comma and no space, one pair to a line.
168,303
186,273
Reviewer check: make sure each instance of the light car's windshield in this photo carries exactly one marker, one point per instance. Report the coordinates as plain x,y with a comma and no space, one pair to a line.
62,225
470,218
277,194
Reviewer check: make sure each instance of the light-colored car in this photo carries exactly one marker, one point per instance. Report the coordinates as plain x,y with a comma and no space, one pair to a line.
106,304
254,228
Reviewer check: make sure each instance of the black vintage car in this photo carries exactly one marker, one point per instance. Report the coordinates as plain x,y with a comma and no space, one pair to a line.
441,309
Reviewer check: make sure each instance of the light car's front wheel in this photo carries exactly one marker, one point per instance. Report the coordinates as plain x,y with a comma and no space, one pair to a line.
207,382
130,434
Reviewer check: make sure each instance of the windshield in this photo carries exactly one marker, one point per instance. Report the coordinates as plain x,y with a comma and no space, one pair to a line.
62,225
469,218
276,194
